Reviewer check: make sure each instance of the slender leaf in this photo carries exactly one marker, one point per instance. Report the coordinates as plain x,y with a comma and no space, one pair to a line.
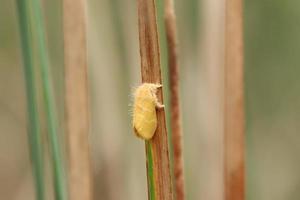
34,132
49,102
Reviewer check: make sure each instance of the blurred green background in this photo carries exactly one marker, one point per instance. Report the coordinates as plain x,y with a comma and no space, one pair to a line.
271,91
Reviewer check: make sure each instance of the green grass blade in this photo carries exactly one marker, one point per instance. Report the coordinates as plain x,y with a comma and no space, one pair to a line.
34,134
52,125
150,173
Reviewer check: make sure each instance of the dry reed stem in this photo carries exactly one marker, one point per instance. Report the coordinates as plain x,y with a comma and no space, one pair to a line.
151,72
171,32
77,106
234,103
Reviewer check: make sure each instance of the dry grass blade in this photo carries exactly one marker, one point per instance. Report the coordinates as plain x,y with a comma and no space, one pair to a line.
170,21
151,72
234,102
77,109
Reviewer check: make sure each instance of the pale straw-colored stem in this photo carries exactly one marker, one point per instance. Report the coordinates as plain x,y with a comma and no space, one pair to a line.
76,100
234,103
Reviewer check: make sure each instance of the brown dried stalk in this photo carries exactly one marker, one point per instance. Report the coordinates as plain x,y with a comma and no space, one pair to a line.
234,102
170,22
151,73
77,108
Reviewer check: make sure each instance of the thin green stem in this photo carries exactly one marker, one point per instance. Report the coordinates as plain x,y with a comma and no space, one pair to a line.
34,133
150,173
52,125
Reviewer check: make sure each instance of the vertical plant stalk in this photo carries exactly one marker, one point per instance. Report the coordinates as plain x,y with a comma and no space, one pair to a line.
234,103
49,101
76,99
158,165
171,32
34,130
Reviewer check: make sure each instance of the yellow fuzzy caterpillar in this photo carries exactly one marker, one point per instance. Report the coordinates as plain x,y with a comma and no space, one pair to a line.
144,110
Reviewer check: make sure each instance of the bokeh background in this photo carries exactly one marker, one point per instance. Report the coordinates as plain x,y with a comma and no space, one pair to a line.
272,94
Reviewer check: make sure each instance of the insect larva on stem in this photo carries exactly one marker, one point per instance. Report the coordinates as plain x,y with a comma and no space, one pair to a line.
144,110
